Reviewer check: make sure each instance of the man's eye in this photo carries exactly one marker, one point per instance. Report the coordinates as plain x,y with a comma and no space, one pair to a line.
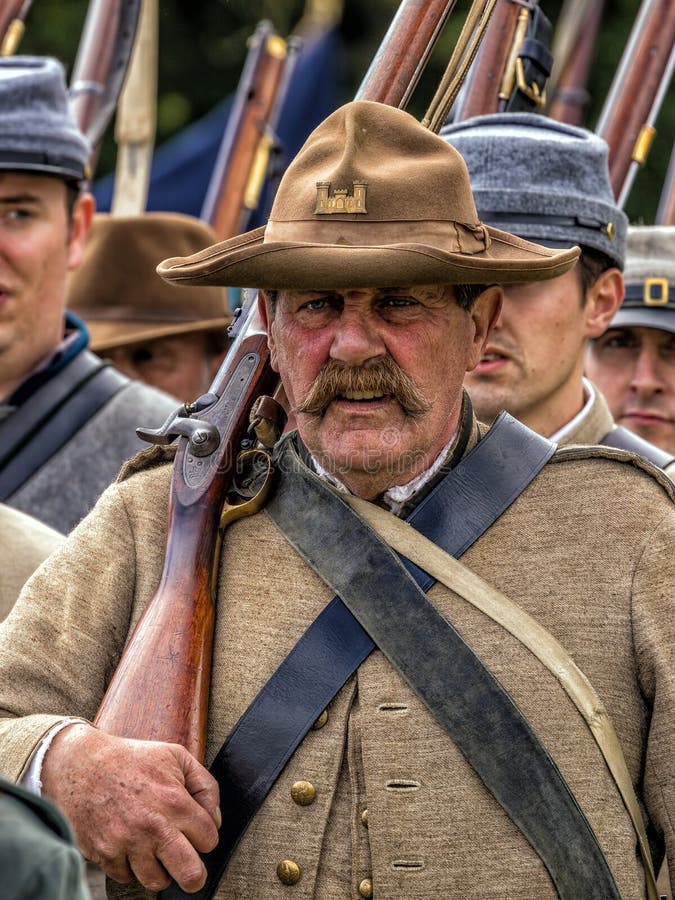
16,215
617,341
143,356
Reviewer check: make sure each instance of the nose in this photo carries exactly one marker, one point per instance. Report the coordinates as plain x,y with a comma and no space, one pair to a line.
356,338
646,379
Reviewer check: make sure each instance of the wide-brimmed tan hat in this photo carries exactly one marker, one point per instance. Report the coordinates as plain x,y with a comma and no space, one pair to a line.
372,199
118,294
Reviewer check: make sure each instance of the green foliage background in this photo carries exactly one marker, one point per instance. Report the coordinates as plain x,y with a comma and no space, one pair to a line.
203,47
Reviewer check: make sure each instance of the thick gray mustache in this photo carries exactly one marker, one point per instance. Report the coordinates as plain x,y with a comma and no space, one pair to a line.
385,377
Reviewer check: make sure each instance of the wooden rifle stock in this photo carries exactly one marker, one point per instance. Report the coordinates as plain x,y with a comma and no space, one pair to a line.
569,94
636,93
160,688
12,17
101,64
241,166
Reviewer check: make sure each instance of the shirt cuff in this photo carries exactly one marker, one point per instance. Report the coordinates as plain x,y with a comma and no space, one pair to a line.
32,780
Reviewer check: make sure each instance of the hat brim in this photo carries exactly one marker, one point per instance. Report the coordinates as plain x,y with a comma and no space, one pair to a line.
110,335
246,261
640,317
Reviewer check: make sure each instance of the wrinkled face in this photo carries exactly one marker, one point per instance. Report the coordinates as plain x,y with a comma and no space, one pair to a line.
181,364
37,249
374,376
533,360
635,370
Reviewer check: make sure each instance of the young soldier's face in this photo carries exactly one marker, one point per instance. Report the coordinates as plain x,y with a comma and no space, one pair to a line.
533,360
38,246
374,376
634,367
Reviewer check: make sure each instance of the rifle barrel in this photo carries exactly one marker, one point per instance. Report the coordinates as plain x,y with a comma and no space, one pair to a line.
480,94
258,94
637,90
101,64
396,68
569,94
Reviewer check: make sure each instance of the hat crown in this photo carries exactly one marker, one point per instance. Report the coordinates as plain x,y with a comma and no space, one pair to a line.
37,130
408,174
541,179
372,199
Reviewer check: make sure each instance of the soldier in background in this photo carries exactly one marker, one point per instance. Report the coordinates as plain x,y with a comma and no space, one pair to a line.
633,362
67,422
549,182
173,338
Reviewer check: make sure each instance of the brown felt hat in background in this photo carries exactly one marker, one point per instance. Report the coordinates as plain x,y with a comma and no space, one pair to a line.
372,199
118,294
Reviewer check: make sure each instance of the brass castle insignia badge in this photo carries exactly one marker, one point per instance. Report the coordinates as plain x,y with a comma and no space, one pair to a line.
340,201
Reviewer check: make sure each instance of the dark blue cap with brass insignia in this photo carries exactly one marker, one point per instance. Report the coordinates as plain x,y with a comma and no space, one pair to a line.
542,180
649,301
38,133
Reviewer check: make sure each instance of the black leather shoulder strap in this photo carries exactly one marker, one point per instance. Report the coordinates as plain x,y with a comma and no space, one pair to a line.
462,694
623,439
31,435
456,512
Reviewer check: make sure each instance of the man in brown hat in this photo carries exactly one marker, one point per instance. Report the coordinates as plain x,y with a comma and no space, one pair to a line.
381,743
171,338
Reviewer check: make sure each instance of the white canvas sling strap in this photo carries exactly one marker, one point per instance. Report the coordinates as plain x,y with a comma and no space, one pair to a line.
407,541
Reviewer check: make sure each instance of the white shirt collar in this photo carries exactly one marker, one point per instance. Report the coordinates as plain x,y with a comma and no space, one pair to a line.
399,494
562,433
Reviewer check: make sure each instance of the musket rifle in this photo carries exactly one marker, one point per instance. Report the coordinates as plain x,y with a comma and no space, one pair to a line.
160,689
641,81
573,47
101,65
250,135
511,67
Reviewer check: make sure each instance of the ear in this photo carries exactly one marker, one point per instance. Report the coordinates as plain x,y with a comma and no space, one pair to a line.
267,316
603,299
83,213
484,313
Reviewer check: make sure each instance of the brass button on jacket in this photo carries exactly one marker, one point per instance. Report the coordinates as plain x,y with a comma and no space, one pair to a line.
321,721
288,872
364,818
304,793
366,888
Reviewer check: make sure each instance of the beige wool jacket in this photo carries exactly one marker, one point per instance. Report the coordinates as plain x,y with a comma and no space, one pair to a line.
586,549
24,543
598,423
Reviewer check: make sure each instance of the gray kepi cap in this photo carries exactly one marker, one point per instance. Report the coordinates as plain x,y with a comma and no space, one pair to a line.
542,180
37,130
649,300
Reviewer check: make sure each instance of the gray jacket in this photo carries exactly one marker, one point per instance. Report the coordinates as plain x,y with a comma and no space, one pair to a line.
64,489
